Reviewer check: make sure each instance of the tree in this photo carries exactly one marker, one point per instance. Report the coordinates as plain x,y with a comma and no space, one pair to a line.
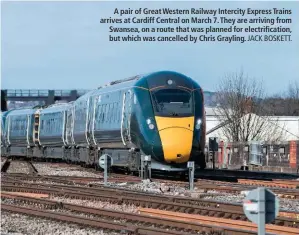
292,98
286,103
240,107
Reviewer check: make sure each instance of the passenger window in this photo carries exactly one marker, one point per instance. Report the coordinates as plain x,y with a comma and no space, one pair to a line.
107,111
110,113
100,113
117,113
113,112
103,113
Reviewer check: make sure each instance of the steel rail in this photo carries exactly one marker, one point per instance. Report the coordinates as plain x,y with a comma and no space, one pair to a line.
181,226
212,208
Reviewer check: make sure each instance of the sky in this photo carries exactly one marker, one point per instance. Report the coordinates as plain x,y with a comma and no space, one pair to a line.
63,45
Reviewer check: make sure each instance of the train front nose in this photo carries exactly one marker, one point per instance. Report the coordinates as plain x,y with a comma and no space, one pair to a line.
176,136
176,144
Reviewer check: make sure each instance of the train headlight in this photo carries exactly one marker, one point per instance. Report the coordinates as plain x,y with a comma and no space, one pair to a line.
169,82
198,124
150,124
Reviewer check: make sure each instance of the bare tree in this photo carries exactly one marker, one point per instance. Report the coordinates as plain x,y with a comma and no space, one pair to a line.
292,98
240,107
285,103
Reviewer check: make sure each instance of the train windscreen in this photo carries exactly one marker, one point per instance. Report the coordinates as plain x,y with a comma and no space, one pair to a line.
172,102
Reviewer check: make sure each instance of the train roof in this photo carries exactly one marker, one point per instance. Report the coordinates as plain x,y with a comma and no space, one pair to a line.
137,80
57,108
114,85
130,80
134,81
24,111
142,80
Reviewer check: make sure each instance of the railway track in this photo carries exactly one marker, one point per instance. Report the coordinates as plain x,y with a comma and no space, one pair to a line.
288,184
219,221
101,224
114,177
182,223
173,222
71,180
122,196
206,185
282,193
290,192
145,224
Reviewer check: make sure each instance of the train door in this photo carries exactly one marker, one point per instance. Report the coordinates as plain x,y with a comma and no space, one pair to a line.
36,127
93,112
126,117
69,126
64,127
27,130
2,131
89,110
7,130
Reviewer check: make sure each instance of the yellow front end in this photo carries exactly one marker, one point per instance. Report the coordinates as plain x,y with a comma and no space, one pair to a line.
176,136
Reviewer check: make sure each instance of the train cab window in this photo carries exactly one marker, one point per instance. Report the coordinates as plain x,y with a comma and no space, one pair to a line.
172,102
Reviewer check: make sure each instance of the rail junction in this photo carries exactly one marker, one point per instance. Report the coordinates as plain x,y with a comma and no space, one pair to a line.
39,195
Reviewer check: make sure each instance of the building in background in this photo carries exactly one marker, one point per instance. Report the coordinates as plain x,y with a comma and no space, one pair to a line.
288,126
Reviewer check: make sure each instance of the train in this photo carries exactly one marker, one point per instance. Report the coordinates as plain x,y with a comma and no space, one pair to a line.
160,114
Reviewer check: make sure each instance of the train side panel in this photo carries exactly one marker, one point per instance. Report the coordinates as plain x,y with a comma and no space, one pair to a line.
147,139
152,115
69,137
3,142
52,129
19,136
107,120
81,120
19,127
198,144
